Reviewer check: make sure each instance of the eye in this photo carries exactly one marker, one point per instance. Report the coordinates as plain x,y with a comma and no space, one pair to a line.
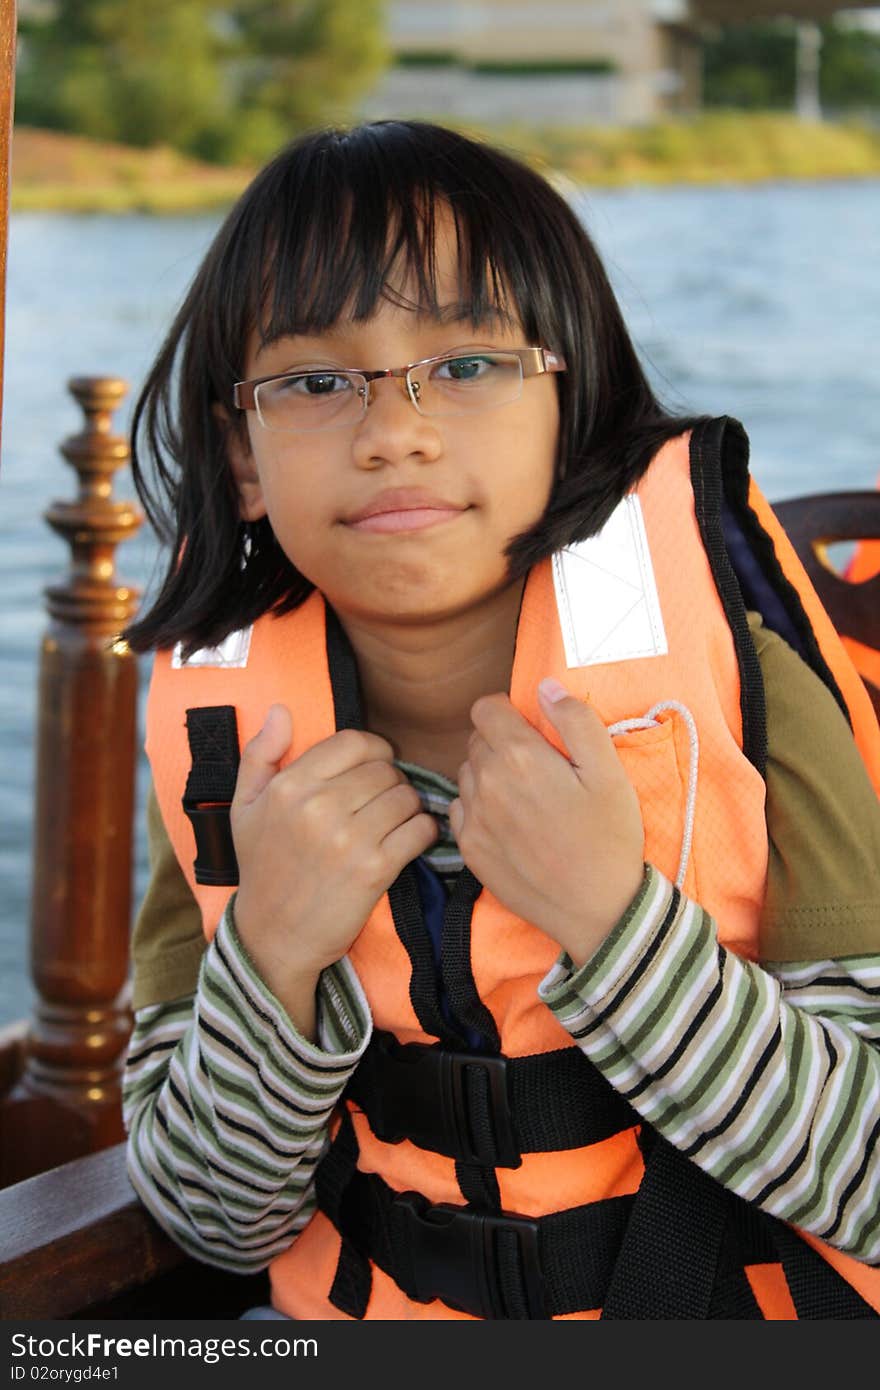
462,370
312,384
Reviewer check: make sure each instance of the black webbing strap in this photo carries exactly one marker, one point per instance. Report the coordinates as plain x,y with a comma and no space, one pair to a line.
492,1265
722,449
485,1109
817,1290
213,744
676,1250
672,1248
714,448
687,1243
456,963
353,1281
745,1242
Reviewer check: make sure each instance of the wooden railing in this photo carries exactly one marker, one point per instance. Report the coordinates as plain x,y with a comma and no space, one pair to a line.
8,30
65,1099
76,1242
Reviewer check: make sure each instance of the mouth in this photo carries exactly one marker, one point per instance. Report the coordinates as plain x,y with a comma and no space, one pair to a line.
404,509
406,519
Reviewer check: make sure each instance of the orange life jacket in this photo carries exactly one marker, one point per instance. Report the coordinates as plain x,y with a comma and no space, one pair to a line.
498,1176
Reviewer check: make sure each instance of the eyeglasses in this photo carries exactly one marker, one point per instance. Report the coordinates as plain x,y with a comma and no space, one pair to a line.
456,383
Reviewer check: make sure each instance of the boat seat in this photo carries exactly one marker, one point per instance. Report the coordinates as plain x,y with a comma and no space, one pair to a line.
76,1242
813,523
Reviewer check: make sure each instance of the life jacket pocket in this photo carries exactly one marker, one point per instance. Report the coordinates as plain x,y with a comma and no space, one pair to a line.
660,752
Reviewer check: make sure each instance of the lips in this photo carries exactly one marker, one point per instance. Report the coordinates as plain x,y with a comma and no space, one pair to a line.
404,509
399,500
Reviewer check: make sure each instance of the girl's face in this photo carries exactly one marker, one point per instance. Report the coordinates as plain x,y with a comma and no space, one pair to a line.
493,470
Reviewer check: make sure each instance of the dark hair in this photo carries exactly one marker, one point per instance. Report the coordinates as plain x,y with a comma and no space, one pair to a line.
336,208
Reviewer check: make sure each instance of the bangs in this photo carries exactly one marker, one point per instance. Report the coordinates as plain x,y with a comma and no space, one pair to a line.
355,209
339,265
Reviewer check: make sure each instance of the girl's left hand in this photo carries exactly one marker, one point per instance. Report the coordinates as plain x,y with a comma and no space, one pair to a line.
559,841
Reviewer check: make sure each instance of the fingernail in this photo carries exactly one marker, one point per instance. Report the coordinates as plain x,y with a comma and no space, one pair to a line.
552,690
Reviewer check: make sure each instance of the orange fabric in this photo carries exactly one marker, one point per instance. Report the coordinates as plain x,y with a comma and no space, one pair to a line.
863,718
865,562
865,659
166,741
771,1292
288,661
611,1168
865,1279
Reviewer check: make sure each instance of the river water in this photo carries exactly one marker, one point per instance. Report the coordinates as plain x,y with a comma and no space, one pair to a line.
761,302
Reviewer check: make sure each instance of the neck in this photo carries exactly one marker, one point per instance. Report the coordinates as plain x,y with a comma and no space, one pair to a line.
420,681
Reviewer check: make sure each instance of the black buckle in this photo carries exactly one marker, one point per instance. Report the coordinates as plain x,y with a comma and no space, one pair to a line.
431,1096
215,862
454,1254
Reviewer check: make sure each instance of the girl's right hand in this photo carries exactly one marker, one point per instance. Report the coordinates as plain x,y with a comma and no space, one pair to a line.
318,842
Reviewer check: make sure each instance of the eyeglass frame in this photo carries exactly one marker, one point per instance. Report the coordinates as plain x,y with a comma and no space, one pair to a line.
534,361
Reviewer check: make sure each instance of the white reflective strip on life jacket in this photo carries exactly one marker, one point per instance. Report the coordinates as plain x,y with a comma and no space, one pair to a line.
230,654
606,593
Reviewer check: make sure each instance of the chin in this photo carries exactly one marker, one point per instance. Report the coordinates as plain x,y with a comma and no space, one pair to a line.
413,607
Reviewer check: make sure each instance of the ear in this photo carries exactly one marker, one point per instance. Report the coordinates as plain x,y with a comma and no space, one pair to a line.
241,461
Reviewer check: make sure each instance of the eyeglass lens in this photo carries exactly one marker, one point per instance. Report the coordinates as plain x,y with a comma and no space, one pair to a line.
322,400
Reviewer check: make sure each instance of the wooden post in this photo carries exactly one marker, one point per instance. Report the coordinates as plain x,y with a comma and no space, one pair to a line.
67,1102
7,90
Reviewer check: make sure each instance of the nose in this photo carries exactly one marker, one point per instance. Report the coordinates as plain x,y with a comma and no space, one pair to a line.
391,429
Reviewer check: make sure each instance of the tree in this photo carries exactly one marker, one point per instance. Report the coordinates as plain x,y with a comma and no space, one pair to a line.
753,65
230,83
301,63
850,71
750,65
141,71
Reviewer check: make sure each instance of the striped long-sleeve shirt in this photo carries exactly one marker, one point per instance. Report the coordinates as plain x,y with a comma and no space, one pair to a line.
767,1075
770,1081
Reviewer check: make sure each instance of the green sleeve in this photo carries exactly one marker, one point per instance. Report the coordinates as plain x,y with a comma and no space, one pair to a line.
823,819
168,940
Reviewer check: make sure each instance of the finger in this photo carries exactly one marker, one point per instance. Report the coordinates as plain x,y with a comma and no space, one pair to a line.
478,749
499,722
387,809
466,783
407,841
346,749
261,755
582,731
391,810
362,784
466,788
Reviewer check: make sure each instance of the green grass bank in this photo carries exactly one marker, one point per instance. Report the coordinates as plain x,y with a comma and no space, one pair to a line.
64,173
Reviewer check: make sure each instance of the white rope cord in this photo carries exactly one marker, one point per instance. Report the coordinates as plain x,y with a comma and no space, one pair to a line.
650,721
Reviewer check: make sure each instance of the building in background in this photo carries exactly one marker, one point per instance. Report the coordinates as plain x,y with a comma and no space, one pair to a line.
563,62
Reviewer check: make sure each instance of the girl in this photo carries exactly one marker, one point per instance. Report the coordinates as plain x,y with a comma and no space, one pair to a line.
554,951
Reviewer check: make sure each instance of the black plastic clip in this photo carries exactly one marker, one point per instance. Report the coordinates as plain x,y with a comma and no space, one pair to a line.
215,862
456,1254
453,1103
